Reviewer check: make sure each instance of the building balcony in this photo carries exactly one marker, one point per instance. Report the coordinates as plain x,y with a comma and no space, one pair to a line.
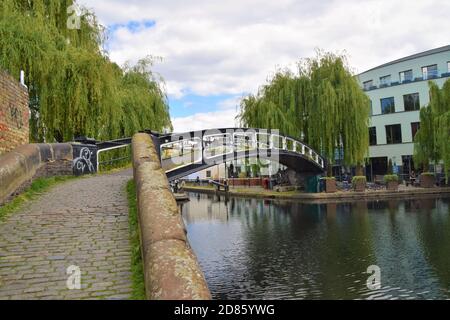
430,76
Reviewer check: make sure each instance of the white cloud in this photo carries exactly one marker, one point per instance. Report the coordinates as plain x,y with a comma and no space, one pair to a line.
230,47
210,120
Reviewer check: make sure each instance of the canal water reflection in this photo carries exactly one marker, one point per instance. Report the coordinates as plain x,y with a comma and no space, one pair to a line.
269,249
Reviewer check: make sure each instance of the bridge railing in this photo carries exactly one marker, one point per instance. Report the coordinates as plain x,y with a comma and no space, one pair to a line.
189,149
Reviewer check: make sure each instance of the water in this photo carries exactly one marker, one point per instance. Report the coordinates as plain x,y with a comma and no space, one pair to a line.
262,249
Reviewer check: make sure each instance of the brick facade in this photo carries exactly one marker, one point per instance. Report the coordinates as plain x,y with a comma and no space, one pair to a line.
14,113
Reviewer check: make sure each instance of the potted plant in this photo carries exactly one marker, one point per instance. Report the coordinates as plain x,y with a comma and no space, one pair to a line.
359,183
330,184
391,181
427,180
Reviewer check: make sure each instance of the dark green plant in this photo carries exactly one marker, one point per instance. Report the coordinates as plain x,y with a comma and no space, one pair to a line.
359,179
391,178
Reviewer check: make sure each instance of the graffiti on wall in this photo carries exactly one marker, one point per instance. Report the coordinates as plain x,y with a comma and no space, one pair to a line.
15,116
85,159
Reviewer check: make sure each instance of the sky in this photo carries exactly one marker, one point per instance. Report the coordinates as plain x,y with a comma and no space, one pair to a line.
215,52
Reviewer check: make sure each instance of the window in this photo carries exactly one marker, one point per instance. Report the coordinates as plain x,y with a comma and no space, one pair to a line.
385,81
448,66
406,76
412,102
368,85
208,174
371,107
430,72
394,134
373,136
415,126
388,105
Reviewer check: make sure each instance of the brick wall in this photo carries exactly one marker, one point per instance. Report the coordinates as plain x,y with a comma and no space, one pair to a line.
14,113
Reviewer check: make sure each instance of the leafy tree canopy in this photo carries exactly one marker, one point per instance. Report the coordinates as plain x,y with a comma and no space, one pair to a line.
74,88
322,104
432,141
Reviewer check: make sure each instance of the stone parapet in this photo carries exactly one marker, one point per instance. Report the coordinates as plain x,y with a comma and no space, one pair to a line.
20,166
171,268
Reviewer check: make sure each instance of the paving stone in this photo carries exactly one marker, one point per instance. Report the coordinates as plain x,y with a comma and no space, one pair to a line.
83,223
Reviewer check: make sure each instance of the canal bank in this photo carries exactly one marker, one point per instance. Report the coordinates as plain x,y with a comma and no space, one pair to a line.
402,193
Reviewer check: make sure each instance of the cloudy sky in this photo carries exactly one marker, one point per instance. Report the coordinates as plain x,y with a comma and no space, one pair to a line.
214,52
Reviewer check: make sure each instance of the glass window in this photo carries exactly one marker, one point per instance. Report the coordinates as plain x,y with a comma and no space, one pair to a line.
406,76
373,136
208,174
448,66
385,81
388,105
394,134
371,107
430,72
415,126
368,85
412,102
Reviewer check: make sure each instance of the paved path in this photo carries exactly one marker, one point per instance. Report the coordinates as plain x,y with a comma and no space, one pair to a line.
84,223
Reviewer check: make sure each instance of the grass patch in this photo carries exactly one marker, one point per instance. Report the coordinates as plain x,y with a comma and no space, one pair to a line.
137,266
37,188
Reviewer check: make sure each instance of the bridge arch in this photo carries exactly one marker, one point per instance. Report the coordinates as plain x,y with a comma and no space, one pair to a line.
183,154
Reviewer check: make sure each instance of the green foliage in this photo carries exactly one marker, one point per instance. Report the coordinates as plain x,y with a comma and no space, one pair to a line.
428,174
256,170
358,179
432,142
322,105
137,266
74,89
391,178
242,175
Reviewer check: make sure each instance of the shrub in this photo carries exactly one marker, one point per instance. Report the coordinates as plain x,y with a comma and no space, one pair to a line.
391,178
357,179
429,174
243,175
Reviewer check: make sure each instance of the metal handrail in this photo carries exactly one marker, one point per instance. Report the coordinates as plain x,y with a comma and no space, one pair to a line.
108,149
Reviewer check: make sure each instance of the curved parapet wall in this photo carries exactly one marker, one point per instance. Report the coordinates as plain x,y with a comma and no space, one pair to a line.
20,166
170,267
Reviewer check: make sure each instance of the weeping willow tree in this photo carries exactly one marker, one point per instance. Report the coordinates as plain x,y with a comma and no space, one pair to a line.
74,89
432,141
322,104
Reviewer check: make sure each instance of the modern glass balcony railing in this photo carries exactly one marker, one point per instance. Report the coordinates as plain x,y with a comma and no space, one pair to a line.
429,75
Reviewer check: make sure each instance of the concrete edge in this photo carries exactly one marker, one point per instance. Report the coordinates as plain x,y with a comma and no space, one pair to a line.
19,166
329,197
171,269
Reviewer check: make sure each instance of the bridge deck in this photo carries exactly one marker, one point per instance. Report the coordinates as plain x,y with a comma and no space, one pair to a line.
82,222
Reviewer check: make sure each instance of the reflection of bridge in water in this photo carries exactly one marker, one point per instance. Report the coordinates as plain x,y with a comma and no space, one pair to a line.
187,153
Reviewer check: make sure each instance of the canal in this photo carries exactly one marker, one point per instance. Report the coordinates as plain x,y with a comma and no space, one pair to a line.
271,249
